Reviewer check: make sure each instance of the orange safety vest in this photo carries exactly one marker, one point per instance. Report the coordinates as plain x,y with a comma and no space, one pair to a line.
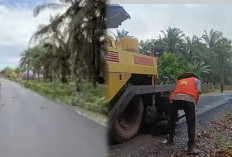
186,86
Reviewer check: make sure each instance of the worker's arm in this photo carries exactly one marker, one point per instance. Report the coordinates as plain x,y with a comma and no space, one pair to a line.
198,88
198,85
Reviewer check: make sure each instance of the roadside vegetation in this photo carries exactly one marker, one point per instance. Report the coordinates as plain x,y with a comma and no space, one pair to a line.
65,57
208,55
92,99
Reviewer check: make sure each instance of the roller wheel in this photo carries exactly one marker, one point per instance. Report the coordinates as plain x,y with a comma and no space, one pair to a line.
128,125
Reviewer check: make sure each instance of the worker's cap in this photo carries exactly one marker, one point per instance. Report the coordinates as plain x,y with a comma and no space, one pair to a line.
187,75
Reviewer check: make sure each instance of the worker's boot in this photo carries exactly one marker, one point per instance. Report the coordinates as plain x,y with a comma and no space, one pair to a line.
193,151
170,138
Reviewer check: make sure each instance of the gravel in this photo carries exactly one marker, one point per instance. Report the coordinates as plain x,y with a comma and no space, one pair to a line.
149,145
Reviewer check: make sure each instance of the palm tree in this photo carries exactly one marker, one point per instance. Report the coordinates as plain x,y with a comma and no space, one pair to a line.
199,67
219,52
120,34
174,39
196,50
46,58
85,21
212,38
56,39
36,62
222,56
25,61
145,47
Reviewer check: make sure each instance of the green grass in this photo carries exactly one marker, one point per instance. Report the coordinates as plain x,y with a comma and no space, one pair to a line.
89,98
93,99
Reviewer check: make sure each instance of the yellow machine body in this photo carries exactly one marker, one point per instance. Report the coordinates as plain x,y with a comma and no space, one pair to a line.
124,60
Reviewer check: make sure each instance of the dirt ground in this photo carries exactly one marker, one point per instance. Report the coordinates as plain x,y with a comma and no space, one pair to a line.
214,139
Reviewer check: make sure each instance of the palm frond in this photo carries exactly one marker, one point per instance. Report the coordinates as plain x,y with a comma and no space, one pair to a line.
46,6
67,1
42,30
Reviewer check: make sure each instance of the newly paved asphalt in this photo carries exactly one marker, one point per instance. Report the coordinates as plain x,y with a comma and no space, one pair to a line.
208,102
32,126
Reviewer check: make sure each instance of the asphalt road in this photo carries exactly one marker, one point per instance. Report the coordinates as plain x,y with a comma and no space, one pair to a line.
209,102
32,126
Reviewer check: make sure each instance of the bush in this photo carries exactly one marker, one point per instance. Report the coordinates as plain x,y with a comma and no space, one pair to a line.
94,98
173,65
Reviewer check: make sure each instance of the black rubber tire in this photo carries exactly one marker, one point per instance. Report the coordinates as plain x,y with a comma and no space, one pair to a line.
128,125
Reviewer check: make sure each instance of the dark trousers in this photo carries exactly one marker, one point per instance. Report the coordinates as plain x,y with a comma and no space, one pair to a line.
222,89
190,112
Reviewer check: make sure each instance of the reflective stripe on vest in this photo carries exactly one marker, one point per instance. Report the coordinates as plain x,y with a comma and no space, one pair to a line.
185,86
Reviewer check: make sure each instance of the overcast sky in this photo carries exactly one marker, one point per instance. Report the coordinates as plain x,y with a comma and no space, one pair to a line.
147,20
17,25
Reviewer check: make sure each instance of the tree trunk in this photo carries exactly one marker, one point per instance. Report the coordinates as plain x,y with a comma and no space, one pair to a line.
27,74
53,62
27,70
69,77
51,78
44,78
64,71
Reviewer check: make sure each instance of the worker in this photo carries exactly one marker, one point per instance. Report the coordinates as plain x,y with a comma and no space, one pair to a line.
166,79
185,97
222,84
